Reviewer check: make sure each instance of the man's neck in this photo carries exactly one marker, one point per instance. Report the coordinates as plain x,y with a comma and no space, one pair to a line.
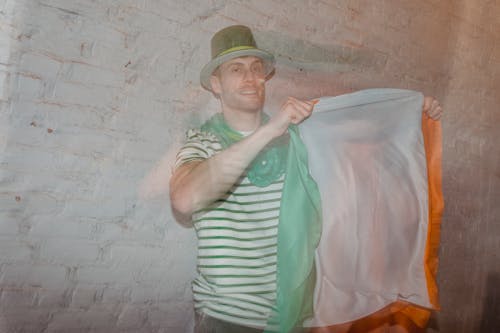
242,120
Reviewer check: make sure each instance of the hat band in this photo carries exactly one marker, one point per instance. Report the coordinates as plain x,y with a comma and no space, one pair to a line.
236,48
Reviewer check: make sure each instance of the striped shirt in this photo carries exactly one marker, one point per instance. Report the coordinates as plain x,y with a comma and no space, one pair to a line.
237,245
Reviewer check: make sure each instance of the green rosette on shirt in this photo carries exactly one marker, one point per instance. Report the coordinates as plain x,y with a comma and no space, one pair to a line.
268,166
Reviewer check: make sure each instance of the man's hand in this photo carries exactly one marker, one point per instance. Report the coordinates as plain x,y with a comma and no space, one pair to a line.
293,111
432,108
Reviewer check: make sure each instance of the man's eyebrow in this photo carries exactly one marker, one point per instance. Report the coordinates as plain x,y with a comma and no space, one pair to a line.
236,63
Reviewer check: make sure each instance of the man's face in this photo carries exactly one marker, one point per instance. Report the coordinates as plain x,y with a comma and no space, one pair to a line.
240,84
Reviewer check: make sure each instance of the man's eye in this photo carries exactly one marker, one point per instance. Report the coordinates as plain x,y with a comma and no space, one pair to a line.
235,69
258,69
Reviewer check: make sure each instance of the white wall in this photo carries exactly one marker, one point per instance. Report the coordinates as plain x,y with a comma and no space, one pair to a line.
96,96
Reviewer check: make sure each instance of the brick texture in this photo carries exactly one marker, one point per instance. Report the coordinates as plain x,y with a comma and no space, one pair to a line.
94,100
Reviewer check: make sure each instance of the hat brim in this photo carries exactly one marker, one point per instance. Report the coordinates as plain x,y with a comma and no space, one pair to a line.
209,68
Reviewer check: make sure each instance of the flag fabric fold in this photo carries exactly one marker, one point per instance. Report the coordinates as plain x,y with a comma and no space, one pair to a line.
298,236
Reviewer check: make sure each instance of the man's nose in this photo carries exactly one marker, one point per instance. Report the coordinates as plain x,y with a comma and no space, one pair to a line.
249,75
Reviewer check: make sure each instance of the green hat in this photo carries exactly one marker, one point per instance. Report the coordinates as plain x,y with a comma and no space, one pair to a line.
233,42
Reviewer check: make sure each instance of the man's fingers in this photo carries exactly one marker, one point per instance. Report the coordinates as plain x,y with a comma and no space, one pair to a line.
432,108
436,112
427,103
311,102
297,110
297,113
302,104
305,107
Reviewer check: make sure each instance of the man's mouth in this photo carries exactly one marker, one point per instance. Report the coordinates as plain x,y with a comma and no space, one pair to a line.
249,92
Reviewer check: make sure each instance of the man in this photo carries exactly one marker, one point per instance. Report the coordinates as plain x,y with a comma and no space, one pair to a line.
229,178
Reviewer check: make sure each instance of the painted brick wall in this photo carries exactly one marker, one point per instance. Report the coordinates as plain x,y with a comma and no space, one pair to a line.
470,264
94,100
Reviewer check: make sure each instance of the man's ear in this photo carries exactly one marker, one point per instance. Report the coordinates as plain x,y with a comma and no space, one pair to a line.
215,83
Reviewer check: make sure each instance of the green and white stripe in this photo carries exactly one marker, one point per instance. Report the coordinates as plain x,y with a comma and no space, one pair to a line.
237,244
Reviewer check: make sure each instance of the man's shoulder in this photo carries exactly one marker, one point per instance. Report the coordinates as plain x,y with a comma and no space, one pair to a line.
206,131
202,135
199,145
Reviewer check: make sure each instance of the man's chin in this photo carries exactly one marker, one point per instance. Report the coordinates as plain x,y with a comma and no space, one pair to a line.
253,97
250,104
254,107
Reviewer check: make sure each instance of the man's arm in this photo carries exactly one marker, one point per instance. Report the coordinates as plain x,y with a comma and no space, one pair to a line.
195,185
